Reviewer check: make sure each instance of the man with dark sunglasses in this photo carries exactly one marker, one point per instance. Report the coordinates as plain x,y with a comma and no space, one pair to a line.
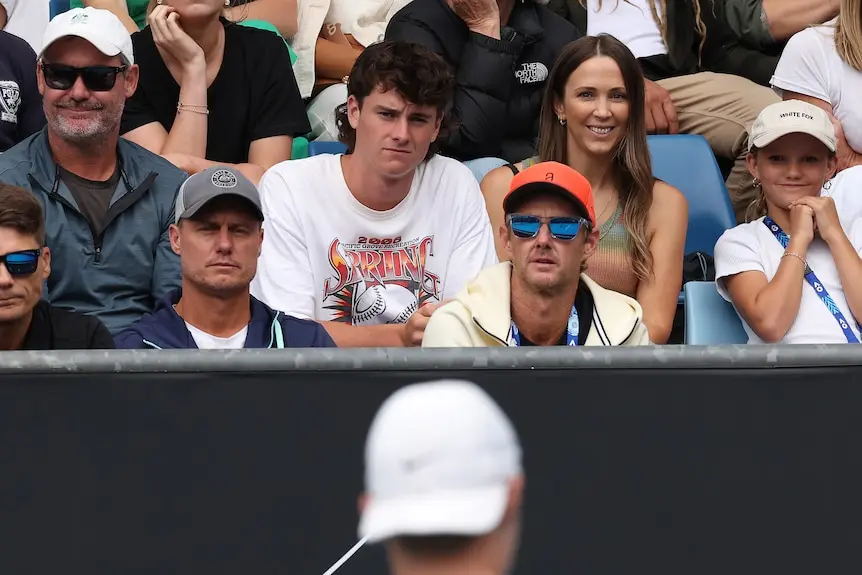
541,297
27,321
108,202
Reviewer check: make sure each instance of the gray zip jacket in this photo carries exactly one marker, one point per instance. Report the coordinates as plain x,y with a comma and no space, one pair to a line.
119,273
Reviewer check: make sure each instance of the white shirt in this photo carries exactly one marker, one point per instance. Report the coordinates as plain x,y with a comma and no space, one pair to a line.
753,246
327,257
810,65
629,21
27,19
207,341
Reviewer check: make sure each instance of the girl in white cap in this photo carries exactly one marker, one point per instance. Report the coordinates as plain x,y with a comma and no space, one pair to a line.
793,274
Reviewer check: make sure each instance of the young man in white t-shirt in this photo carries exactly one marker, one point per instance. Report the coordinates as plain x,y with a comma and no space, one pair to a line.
794,275
370,242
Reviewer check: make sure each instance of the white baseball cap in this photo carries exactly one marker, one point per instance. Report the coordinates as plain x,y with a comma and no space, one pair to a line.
791,117
98,27
438,460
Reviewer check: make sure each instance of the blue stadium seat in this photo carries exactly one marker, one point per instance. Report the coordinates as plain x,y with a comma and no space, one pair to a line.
687,163
709,319
316,148
57,6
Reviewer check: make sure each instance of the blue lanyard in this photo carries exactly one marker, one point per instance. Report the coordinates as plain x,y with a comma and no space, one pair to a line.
815,283
572,330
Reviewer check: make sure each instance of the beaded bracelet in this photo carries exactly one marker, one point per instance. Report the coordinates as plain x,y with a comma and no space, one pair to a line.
797,256
194,109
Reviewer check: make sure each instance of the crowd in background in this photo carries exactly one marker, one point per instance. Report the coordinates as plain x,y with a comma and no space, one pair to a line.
497,187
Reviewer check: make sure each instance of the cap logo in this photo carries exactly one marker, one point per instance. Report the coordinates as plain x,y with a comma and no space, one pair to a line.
549,177
224,179
79,18
796,115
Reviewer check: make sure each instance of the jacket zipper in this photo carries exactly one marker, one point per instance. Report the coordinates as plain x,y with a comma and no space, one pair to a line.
119,207
479,325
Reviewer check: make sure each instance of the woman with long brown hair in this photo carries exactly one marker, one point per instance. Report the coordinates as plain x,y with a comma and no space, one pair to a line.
593,120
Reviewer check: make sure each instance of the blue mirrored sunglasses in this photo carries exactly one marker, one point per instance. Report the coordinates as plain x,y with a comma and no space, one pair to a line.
565,229
21,263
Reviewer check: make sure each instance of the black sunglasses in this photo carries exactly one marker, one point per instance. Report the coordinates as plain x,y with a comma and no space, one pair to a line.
21,263
526,226
96,78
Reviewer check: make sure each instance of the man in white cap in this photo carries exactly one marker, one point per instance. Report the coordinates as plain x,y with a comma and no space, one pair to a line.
444,482
108,202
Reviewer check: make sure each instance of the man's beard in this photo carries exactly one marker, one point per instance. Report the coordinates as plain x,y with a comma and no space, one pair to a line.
105,122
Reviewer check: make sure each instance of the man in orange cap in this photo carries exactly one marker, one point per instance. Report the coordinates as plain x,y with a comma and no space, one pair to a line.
541,296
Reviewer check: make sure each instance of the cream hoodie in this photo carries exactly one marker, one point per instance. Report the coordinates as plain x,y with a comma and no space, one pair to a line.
480,316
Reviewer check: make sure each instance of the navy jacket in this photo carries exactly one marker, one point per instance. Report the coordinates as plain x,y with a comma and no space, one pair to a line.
164,329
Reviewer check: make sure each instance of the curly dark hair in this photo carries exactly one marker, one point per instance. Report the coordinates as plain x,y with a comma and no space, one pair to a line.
421,77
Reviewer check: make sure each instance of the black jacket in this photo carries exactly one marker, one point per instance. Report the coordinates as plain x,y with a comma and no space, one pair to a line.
55,328
722,51
499,83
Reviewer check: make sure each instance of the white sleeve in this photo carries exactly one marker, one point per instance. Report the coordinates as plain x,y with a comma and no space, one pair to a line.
474,245
284,278
844,189
855,236
737,251
9,6
804,66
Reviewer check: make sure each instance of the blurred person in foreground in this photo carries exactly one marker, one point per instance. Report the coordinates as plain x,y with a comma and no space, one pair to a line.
217,234
794,274
370,242
443,498
541,296
26,321
108,202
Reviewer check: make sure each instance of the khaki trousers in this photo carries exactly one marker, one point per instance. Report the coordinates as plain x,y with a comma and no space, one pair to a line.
722,108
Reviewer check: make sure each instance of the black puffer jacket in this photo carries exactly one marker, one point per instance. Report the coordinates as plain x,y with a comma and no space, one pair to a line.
722,51
499,83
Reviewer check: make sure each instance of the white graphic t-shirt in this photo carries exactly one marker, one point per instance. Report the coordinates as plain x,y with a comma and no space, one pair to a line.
328,257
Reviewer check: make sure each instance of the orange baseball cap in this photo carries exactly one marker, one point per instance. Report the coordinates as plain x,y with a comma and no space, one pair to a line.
551,177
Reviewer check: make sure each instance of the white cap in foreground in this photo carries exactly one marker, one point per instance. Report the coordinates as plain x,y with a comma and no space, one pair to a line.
438,461
98,27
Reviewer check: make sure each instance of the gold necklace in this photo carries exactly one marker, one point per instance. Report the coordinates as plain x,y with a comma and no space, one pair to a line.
599,217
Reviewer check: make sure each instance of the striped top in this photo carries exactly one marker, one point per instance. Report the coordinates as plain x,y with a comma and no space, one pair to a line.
611,266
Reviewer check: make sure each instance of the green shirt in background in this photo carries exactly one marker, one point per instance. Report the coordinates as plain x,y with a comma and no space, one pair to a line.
137,10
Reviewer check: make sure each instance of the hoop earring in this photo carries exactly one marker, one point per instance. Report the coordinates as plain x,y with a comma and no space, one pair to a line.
159,2
562,121
227,3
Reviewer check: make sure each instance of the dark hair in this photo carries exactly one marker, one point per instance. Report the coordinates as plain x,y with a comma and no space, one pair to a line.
21,211
632,165
435,545
419,75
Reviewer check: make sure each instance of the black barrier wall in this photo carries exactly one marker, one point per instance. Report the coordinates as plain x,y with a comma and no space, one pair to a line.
635,461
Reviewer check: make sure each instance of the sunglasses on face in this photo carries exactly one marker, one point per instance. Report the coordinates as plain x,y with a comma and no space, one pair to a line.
96,78
565,229
21,263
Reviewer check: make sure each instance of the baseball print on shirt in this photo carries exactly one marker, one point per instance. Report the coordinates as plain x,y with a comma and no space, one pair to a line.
379,280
